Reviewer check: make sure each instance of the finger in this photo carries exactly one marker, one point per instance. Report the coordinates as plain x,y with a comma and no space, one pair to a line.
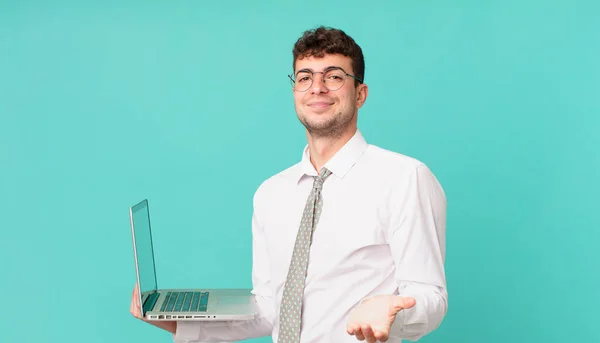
134,311
351,329
381,336
409,302
135,303
367,331
136,299
132,306
359,334
137,308
404,303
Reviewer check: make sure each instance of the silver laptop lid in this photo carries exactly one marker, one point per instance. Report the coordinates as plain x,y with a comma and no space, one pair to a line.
143,250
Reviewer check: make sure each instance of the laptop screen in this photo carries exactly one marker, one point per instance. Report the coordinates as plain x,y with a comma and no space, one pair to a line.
143,246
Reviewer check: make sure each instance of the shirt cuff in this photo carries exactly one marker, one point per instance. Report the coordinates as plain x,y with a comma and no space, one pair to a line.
407,324
415,322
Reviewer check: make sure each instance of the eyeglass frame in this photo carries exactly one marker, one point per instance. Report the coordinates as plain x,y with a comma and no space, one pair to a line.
291,76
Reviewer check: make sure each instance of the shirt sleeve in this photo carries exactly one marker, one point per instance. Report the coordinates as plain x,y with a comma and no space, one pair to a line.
417,243
232,331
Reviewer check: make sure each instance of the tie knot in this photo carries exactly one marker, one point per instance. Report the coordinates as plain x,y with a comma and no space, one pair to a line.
321,178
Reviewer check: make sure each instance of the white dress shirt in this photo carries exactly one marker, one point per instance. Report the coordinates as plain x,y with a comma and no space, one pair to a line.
381,231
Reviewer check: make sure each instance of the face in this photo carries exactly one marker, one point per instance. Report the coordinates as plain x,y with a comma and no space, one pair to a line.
323,112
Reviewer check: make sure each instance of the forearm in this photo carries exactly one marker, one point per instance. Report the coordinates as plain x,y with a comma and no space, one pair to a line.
228,331
170,326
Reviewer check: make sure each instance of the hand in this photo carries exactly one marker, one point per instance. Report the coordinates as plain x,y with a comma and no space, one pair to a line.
135,303
373,318
170,326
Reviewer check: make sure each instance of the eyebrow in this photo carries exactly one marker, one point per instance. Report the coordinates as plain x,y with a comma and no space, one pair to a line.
326,69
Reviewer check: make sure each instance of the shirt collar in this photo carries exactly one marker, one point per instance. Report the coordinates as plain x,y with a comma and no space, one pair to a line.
341,162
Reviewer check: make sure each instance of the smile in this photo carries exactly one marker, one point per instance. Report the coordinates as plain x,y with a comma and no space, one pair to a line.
319,104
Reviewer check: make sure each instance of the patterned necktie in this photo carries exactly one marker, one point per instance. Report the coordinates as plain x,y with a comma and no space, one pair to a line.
290,314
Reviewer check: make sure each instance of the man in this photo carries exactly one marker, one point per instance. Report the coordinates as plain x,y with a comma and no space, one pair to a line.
348,244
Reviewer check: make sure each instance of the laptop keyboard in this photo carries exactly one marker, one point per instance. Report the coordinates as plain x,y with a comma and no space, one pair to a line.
185,302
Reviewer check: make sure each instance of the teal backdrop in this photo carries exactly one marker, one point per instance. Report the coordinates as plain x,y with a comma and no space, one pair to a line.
187,103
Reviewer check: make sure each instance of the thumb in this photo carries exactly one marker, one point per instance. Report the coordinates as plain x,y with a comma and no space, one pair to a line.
404,303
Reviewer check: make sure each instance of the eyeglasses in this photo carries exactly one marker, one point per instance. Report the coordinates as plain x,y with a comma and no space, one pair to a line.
333,79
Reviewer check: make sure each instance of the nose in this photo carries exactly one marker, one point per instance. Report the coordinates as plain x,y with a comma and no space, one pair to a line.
318,86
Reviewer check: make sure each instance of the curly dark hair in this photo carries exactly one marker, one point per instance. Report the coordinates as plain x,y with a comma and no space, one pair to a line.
326,40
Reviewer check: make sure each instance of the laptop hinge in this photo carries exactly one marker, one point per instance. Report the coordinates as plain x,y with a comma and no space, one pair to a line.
151,301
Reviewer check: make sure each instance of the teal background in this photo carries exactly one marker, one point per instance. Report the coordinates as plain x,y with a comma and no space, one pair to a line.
187,103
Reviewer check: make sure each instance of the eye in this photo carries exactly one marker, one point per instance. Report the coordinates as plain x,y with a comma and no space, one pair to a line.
334,76
303,77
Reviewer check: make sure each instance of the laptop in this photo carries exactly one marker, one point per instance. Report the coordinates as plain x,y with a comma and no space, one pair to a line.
179,304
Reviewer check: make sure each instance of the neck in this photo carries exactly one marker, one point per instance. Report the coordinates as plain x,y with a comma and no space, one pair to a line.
323,148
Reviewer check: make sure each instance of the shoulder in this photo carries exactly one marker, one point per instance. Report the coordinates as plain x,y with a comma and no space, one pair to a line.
399,170
391,159
394,162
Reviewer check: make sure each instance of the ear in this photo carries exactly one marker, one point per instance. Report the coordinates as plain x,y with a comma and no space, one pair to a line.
362,91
